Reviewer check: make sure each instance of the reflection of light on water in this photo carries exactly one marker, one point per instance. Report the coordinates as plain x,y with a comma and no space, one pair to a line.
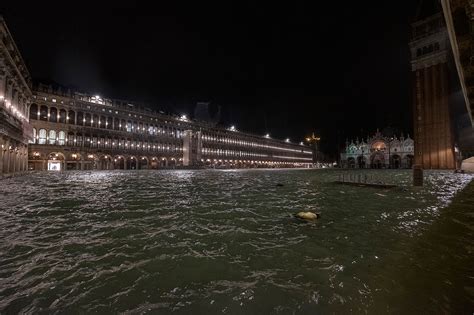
181,174
225,237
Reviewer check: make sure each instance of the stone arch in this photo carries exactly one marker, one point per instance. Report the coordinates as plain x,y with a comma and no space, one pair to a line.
351,163
87,119
53,114
91,161
71,117
132,163
163,162
62,116
61,137
395,161
52,134
408,160
43,113
104,162
361,161
34,111
56,161
80,119
74,161
172,162
377,160
143,163
378,146
154,162
119,162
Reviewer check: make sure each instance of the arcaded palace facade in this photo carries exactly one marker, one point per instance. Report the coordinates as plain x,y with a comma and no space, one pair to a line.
46,128
15,98
379,151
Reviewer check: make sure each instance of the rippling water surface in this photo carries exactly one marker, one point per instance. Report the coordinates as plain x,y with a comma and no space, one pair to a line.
222,241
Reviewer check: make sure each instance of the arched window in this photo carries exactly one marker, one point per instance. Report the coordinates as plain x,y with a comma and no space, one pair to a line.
62,138
80,119
87,141
71,118
52,137
95,121
109,123
42,136
62,116
53,114
34,136
44,113
88,119
79,139
94,141
101,122
116,124
70,139
34,111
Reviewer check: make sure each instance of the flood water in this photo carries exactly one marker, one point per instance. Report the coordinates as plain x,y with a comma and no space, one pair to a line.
225,241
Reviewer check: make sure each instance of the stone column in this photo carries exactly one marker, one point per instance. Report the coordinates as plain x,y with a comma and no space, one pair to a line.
8,153
15,104
2,154
3,81
8,91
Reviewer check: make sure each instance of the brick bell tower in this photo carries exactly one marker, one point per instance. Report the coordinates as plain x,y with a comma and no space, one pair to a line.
433,131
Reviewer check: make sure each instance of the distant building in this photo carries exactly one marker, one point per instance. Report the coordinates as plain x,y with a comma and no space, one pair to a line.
379,151
49,128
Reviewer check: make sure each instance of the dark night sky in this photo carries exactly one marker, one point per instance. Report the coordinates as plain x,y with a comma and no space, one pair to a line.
340,69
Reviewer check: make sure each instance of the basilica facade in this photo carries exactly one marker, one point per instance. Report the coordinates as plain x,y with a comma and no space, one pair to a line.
378,151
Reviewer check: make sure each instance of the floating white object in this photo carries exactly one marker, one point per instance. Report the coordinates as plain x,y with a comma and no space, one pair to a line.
308,215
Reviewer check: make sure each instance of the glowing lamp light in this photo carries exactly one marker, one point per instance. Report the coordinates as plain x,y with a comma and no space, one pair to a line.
287,140
267,135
